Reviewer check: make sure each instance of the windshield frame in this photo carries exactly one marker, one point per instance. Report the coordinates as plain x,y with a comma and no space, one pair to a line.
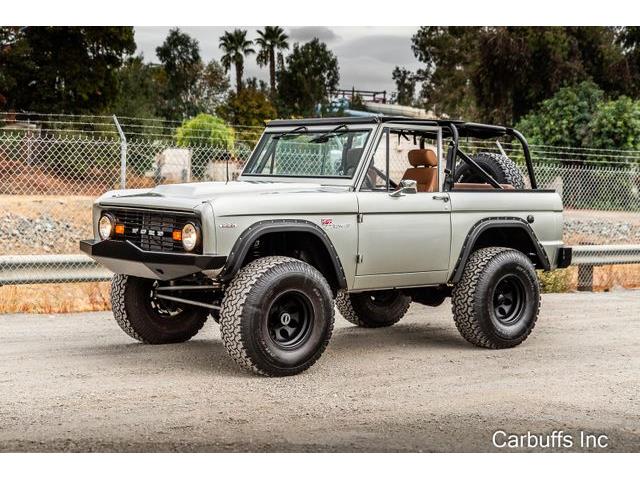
339,180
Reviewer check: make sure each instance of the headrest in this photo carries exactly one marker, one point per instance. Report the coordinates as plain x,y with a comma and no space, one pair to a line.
353,157
424,157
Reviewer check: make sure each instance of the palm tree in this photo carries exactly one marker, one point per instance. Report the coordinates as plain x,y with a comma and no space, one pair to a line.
235,47
271,40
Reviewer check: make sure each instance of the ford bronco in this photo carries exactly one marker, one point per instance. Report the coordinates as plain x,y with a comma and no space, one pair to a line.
367,214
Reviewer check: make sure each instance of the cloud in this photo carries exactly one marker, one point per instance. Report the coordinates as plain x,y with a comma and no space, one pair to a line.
391,49
304,34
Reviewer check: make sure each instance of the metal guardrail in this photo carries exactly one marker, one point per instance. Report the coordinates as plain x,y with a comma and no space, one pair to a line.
588,256
31,269
605,254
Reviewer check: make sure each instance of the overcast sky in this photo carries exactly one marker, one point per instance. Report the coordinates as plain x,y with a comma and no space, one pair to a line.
366,55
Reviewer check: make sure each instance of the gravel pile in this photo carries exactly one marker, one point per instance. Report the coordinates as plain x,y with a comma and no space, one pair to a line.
602,231
43,234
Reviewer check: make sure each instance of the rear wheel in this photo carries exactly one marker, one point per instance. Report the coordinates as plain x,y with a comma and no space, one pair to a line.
375,309
496,303
143,316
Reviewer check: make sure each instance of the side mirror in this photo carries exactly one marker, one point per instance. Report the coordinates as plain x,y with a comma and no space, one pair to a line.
406,186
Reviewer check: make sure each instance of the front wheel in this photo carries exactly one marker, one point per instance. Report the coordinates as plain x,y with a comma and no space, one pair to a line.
381,308
496,302
144,317
277,316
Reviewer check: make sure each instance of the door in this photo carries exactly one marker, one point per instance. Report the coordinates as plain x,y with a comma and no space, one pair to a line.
402,240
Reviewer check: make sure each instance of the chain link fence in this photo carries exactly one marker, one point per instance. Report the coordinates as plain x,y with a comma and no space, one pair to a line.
53,166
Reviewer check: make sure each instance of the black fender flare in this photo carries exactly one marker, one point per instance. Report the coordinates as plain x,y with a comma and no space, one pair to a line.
496,222
256,230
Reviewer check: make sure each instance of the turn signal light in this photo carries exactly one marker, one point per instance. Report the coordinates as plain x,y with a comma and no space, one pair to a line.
119,229
177,235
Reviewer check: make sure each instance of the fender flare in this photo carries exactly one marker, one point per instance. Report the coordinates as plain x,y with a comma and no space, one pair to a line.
256,230
496,222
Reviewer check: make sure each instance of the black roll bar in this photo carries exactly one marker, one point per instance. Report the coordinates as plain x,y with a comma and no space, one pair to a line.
455,152
527,156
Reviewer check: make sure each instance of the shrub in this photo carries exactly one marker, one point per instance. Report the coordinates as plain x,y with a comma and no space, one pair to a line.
557,281
209,138
563,120
205,130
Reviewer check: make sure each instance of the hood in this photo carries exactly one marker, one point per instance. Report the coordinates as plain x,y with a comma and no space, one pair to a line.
186,196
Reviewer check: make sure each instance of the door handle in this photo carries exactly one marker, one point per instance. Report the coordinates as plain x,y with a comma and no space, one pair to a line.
444,198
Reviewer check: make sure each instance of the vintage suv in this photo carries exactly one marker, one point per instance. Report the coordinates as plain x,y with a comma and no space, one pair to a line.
374,213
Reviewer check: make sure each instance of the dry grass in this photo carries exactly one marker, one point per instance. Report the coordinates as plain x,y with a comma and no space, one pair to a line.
87,297
55,298
605,278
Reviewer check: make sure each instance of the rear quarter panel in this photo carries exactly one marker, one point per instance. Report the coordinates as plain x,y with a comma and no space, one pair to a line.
468,208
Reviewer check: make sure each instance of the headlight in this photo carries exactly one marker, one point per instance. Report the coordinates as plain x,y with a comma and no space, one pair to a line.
190,236
105,226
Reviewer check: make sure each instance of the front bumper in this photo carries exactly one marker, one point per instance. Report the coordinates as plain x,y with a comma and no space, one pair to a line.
129,259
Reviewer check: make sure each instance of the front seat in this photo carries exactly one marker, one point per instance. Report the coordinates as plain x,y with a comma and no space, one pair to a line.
353,158
425,169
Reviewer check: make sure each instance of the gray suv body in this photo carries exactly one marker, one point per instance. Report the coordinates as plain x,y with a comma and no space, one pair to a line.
368,214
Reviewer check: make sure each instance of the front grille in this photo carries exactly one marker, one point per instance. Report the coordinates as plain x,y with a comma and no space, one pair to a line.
151,230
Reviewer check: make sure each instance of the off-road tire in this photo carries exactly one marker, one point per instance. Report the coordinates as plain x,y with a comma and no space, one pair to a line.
360,309
474,297
499,166
246,312
133,313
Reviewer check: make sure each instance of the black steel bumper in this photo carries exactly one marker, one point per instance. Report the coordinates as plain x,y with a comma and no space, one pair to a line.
564,257
129,259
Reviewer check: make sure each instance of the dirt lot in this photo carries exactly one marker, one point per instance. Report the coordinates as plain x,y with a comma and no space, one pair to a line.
77,383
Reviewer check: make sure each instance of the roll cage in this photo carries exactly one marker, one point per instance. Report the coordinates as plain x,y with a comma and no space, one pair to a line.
452,130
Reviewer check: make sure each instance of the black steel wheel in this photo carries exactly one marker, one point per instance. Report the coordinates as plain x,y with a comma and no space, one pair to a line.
508,300
289,319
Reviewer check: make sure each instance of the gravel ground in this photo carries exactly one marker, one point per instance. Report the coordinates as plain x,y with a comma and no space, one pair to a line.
77,383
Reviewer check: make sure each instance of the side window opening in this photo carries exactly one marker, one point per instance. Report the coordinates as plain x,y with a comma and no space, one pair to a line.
403,154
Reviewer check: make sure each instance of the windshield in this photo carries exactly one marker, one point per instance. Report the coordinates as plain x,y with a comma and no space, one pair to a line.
334,152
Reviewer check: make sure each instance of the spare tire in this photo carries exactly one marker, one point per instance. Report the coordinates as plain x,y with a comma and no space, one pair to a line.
500,167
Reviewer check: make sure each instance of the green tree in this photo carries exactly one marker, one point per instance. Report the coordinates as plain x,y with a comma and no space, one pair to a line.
563,120
62,69
210,88
311,73
137,89
615,124
235,46
499,74
448,55
271,40
249,108
629,41
181,62
405,86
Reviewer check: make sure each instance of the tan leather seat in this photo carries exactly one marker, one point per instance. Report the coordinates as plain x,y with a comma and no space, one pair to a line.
425,169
